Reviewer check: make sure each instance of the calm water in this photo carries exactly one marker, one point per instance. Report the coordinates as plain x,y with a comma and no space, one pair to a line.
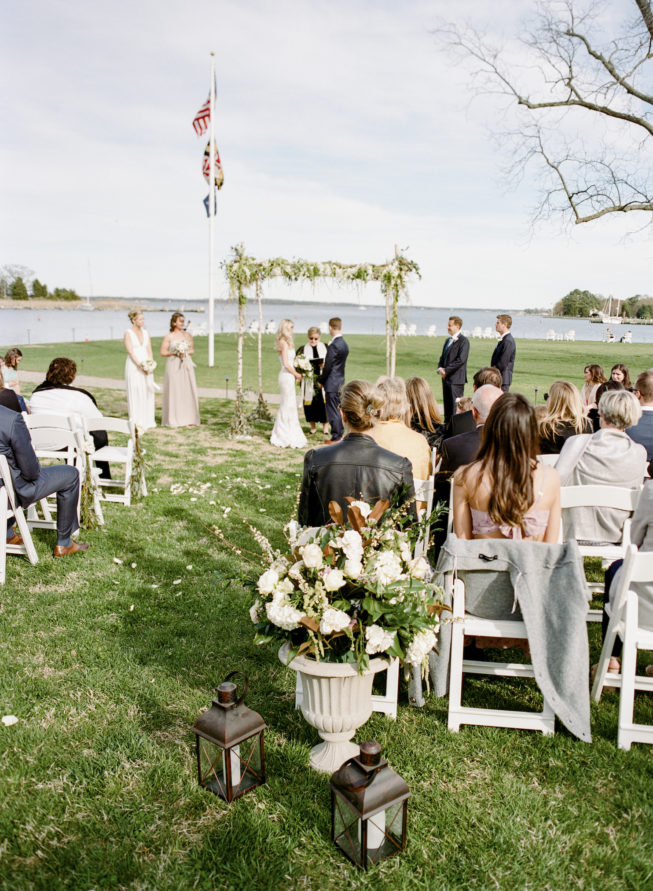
20,327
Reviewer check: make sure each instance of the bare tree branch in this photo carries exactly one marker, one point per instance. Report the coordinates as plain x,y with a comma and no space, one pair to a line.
582,105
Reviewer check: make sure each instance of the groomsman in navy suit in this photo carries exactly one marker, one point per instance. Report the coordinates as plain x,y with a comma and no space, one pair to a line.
452,366
333,377
504,353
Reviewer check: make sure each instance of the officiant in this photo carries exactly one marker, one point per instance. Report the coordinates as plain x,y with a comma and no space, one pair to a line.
312,396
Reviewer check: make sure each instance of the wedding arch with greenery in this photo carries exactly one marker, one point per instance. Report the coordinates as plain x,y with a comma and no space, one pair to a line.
244,272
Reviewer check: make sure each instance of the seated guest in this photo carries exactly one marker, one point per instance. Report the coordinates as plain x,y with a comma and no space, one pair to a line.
462,449
33,482
426,419
392,431
7,397
356,467
561,417
463,404
641,535
607,458
11,361
506,492
57,395
594,377
593,413
464,422
642,432
621,375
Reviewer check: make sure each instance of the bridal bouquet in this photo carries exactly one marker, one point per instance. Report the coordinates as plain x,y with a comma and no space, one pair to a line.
302,364
350,590
148,365
180,348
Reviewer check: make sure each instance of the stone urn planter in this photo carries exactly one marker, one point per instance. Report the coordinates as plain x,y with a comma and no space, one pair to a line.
336,700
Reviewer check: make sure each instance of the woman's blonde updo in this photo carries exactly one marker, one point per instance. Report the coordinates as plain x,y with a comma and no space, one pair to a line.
361,404
133,315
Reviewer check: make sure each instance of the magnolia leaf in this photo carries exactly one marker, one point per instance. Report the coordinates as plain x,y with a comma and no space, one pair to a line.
379,509
335,512
309,623
355,518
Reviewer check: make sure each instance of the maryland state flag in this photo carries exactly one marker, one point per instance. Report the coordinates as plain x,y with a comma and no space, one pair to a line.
206,165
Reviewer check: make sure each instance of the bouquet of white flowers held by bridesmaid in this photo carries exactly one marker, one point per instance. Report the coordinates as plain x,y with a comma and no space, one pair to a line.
350,590
148,366
180,348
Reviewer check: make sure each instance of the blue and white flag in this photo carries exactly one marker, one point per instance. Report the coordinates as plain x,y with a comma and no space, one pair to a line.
215,204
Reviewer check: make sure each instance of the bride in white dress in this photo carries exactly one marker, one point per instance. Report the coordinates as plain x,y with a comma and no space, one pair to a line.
140,382
287,432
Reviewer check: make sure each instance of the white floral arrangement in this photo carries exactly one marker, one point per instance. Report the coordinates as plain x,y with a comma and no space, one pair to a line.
350,590
302,364
148,366
180,348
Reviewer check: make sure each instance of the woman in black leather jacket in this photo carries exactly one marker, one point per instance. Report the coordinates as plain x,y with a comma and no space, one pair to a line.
356,466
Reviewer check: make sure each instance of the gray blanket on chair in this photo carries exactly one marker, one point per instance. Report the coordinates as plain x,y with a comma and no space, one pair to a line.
546,584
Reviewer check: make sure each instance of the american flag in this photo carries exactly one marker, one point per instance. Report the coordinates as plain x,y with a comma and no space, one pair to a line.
206,165
202,118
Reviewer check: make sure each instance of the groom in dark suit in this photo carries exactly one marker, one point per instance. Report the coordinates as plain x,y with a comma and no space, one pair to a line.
33,482
503,356
452,366
333,377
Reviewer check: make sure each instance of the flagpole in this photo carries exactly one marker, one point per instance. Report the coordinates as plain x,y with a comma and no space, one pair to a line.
211,208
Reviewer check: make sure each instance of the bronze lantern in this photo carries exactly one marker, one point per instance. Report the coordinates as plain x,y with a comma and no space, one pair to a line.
230,753
369,804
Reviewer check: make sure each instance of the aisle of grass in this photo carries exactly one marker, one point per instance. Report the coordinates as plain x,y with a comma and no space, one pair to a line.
538,363
108,664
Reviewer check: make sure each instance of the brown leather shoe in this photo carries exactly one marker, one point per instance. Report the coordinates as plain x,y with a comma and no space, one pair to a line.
73,547
15,539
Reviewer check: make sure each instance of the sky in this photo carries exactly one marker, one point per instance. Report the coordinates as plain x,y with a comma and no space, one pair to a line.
344,130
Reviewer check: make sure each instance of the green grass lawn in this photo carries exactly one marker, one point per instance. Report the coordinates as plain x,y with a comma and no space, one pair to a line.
538,363
107,665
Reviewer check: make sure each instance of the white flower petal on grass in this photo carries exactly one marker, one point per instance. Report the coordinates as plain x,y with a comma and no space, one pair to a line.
189,567
177,582
155,586
193,499
133,565
117,560
9,720
131,608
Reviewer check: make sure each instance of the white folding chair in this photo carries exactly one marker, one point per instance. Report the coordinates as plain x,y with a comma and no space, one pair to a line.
117,455
10,508
424,492
53,439
464,623
624,623
595,496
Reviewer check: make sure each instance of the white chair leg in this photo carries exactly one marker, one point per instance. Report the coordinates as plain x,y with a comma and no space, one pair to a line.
604,658
456,670
628,670
4,513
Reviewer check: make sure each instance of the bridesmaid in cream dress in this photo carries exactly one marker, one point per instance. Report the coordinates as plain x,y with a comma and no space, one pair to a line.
139,381
180,405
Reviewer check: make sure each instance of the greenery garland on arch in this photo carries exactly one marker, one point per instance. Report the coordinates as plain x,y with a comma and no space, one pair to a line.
243,272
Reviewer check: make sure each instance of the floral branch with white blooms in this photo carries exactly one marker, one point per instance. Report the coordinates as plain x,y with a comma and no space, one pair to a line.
350,590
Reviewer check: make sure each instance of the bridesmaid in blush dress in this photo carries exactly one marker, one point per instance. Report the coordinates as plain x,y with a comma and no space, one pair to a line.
180,405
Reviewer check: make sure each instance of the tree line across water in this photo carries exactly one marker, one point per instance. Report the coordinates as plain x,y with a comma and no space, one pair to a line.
583,304
19,283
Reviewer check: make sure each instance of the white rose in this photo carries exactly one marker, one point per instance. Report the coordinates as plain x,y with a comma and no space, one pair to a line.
363,507
334,580
406,553
419,647
283,615
419,569
351,543
254,611
333,620
312,556
378,640
284,587
387,568
353,568
268,581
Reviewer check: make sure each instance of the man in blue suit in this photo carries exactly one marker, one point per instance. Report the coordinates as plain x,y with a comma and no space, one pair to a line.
504,353
642,432
333,377
452,366
33,482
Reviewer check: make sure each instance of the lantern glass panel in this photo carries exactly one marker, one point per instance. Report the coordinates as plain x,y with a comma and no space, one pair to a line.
384,832
346,829
230,772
